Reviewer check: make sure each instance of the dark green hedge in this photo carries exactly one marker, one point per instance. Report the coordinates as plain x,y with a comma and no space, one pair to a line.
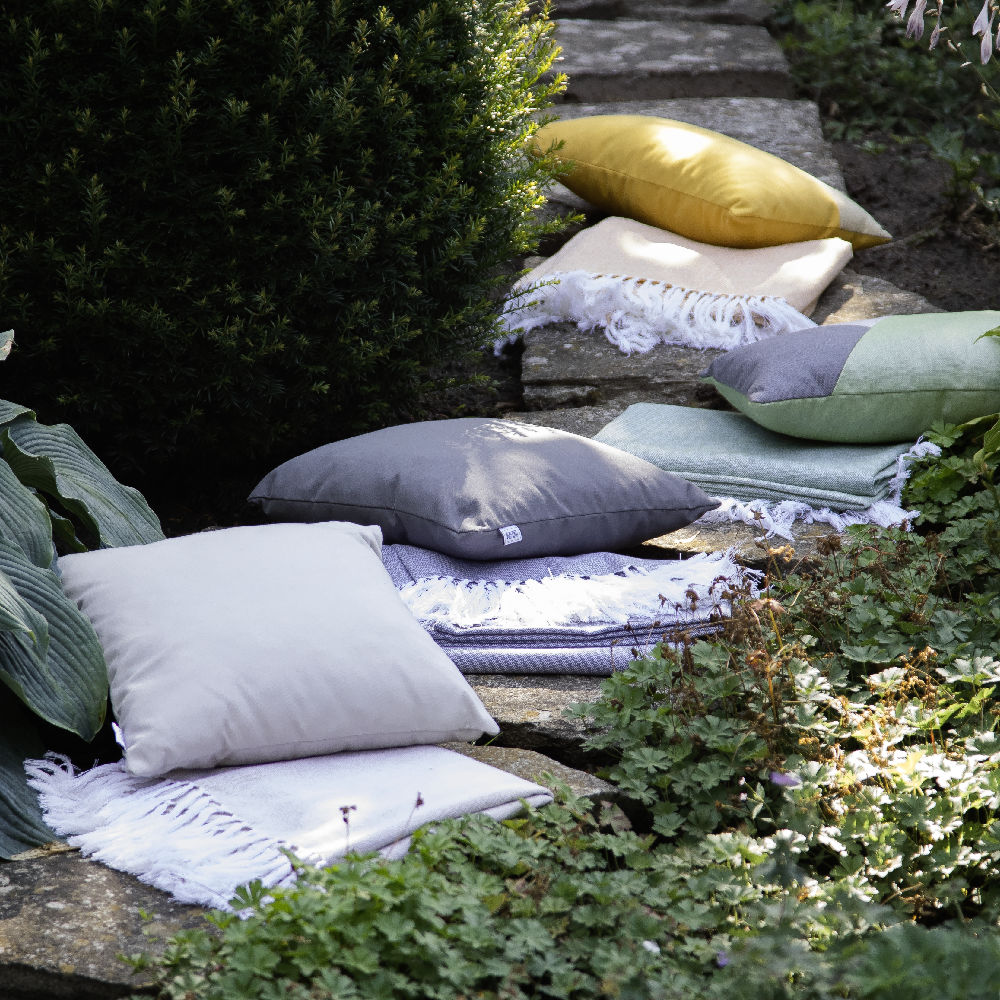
230,229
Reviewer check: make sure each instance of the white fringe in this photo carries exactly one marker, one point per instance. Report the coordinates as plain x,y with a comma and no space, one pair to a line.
559,601
777,518
639,313
157,829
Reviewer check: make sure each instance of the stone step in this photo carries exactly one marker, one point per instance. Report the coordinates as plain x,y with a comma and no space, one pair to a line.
653,60
65,920
563,367
710,11
530,712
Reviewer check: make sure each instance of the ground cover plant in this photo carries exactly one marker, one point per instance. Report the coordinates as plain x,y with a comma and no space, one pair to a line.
230,229
810,810
56,496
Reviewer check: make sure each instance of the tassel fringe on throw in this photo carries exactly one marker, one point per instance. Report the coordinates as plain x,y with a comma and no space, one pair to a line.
778,518
170,834
565,601
637,314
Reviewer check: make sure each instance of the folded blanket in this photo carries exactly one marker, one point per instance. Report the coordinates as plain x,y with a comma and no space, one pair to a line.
731,457
645,286
200,834
562,614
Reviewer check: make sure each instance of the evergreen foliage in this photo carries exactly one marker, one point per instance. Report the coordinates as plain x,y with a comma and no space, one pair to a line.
230,229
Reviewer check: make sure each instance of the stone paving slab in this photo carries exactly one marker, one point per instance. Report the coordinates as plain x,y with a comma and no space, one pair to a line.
563,367
543,770
529,710
711,11
650,60
65,919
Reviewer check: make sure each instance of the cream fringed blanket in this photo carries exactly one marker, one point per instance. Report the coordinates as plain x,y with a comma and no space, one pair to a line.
645,286
200,834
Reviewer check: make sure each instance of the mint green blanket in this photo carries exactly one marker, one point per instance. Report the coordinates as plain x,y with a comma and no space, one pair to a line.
728,455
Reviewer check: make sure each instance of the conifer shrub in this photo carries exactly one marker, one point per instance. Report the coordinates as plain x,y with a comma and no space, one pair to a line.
230,229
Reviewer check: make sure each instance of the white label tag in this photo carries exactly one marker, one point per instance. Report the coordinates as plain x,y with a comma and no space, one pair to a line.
511,534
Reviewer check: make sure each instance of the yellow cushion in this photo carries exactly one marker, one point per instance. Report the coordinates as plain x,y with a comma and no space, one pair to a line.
701,184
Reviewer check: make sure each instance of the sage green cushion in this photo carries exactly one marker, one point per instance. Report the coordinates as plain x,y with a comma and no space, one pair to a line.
884,380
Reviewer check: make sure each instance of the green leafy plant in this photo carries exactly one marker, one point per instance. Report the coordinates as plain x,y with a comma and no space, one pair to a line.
232,229
901,91
56,496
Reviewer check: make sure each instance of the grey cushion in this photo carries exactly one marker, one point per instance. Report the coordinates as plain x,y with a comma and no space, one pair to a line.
480,488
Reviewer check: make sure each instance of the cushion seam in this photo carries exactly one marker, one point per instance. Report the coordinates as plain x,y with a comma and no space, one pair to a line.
850,395
469,531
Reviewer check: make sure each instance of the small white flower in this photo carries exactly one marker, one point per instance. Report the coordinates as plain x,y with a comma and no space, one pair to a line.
652,947
981,25
915,25
986,48
935,35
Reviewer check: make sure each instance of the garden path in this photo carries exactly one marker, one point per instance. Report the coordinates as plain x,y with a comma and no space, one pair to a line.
64,920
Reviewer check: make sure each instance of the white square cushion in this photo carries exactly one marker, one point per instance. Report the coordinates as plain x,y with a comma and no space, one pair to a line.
265,643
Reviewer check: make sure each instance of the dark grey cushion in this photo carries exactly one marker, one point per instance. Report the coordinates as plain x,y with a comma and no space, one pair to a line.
800,365
480,488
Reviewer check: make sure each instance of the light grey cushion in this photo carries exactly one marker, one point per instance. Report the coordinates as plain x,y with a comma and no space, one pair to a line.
480,488
265,643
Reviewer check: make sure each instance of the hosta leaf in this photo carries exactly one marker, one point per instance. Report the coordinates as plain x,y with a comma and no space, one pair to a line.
64,532
24,519
21,823
19,617
56,461
9,412
66,683
6,343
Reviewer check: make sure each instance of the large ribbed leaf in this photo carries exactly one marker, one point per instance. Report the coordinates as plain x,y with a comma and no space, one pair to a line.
6,343
55,461
24,518
11,411
21,823
64,532
65,683
20,618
